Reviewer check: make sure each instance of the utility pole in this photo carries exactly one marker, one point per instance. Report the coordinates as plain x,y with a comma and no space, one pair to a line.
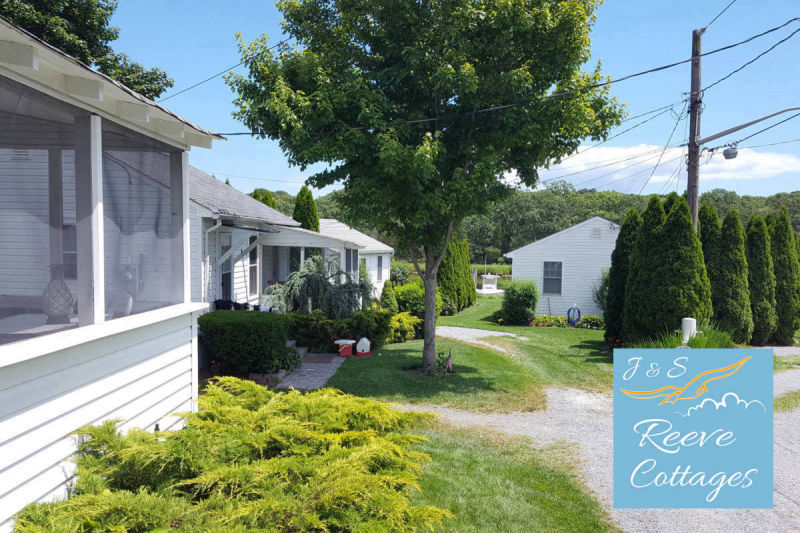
695,108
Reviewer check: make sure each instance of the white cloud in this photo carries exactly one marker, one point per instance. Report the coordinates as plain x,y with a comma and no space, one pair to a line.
627,168
723,404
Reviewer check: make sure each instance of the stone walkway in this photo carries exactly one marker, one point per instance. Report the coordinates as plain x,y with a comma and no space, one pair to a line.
475,336
313,373
785,351
786,381
585,418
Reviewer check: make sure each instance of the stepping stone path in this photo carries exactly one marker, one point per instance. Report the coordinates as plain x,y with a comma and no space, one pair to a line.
313,373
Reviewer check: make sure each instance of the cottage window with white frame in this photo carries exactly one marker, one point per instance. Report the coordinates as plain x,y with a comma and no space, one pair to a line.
253,288
380,268
551,282
225,278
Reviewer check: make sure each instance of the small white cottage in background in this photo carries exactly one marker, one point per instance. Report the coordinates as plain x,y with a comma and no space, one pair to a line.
567,265
376,255
96,317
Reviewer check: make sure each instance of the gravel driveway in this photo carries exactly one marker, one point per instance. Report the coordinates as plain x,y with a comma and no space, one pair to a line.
566,420
475,336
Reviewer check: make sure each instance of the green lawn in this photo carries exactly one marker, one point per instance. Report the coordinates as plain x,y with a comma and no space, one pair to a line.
786,363
484,379
788,402
498,483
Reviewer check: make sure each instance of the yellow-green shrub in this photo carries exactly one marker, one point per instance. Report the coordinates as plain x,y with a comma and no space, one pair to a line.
403,327
250,459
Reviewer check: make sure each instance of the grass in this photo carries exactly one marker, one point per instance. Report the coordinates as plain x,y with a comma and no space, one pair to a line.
786,363
484,379
493,482
788,402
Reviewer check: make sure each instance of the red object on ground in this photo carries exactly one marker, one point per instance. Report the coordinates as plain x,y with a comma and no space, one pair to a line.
345,350
362,354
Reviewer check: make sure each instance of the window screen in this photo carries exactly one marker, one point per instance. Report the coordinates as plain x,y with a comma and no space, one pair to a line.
551,284
380,268
253,267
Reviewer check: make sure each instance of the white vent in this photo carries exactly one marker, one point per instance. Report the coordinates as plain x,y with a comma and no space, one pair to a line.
20,155
595,233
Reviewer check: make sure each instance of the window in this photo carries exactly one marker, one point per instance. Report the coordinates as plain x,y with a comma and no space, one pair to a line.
253,266
70,252
380,268
354,262
595,233
225,271
552,277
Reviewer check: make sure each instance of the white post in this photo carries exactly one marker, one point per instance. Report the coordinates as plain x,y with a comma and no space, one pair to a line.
89,214
302,255
56,207
688,330
343,261
179,201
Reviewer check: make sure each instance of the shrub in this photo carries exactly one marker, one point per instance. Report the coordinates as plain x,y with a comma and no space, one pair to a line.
398,275
388,300
600,291
618,274
403,327
250,459
761,280
305,210
591,322
314,331
732,305
372,324
449,307
411,298
551,321
787,278
710,231
248,341
455,277
519,302
642,298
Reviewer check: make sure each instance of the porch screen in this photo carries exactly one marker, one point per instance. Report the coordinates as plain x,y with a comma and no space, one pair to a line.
38,256
137,223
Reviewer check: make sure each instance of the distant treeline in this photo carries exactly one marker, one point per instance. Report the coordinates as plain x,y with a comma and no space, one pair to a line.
524,217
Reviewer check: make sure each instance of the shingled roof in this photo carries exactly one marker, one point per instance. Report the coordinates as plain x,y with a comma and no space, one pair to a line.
339,230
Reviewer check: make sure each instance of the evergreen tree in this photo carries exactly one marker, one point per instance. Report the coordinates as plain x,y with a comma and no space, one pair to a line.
388,299
669,201
682,288
305,210
618,274
455,276
709,229
228,182
264,196
732,305
641,289
787,278
761,280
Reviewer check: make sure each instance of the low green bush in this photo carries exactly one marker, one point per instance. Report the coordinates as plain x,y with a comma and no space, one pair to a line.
403,327
411,298
248,341
547,321
707,337
519,303
318,332
398,274
250,459
591,322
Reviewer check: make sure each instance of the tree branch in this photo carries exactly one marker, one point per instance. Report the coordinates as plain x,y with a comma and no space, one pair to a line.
416,263
438,260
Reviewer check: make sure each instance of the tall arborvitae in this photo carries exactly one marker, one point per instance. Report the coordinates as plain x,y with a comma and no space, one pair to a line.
618,274
642,298
761,280
709,229
787,278
682,288
455,277
263,196
732,305
669,201
305,210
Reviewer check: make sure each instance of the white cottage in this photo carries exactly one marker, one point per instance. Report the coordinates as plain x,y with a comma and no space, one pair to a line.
567,265
96,314
375,255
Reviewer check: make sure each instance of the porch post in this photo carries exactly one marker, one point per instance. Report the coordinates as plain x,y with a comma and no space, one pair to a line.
302,255
89,214
343,261
56,189
179,202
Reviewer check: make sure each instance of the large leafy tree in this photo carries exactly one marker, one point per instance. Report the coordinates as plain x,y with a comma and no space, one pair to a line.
732,299
787,278
761,280
81,29
403,102
618,274
305,210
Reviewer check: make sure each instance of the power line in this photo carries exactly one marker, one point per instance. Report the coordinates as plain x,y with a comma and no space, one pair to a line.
254,178
759,56
769,127
719,14
220,73
637,173
771,144
563,93
677,122
616,170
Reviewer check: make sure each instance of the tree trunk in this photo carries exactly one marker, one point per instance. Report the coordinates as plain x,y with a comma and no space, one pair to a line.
429,348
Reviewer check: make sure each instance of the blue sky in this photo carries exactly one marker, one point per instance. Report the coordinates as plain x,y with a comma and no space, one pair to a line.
193,40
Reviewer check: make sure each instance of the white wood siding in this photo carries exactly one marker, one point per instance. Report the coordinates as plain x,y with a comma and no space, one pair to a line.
372,268
583,258
139,376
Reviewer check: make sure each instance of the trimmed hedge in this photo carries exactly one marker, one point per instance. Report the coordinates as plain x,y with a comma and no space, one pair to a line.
710,231
761,280
248,341
318,332
732,304
455,277
388,300
403,327
411,298
787,277
519,302
618,274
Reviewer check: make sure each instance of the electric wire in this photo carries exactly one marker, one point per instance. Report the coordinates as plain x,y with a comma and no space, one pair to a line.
635,174
677,122
719,14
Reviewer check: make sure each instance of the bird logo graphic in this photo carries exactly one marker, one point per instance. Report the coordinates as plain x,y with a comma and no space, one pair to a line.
692,390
